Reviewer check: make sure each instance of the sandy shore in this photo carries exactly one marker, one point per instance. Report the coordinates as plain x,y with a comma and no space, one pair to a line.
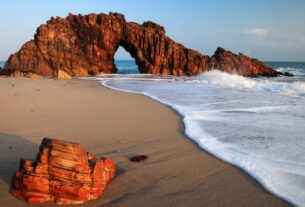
118,125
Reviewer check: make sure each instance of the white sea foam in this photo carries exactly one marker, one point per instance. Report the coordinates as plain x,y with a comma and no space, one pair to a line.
295,71
228,80
222,79
257,124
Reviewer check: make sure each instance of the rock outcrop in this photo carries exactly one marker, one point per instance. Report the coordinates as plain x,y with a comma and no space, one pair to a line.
86,45
64,173
2,72
61,74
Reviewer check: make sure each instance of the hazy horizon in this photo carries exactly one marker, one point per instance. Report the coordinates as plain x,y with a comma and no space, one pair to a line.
267,30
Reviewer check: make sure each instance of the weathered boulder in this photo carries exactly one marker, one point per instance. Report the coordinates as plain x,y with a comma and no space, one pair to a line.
286,74
61,74
64,173
86,45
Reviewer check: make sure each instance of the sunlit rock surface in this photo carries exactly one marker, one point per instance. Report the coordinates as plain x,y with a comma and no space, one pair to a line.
64,173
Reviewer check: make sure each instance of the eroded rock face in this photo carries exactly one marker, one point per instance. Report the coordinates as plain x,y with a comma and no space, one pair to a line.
85,45
64,173
240,64
61,74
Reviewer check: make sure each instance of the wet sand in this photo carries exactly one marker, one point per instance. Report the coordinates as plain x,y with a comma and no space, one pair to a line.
118,125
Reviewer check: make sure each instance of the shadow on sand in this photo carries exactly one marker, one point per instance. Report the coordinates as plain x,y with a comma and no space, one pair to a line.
12,148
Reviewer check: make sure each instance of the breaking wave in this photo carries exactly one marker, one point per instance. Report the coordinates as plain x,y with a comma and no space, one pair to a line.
222,79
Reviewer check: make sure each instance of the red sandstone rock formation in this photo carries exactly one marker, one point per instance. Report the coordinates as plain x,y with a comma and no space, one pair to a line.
85,45
60,74
64,173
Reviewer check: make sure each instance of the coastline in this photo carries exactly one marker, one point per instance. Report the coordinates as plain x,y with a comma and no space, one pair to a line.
119,125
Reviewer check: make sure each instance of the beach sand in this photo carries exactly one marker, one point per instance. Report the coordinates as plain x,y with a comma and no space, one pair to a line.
118,125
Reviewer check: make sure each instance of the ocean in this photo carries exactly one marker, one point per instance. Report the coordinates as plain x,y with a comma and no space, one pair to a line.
256,124
2,64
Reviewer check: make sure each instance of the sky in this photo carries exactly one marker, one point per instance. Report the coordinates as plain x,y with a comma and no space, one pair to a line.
270,30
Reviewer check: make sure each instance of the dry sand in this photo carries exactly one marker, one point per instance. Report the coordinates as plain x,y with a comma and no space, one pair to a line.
118,125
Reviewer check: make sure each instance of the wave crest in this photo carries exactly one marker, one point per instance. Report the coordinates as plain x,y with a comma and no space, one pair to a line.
223,79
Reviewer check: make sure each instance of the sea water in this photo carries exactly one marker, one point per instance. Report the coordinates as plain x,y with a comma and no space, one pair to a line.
257,124
126,66
2,64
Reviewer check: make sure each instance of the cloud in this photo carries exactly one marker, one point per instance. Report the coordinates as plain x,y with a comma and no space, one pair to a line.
259,32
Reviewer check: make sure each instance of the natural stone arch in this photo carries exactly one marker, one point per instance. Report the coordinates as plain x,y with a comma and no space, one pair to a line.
124,62
133,53
85,45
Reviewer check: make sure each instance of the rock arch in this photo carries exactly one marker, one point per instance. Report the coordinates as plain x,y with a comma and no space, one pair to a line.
83,45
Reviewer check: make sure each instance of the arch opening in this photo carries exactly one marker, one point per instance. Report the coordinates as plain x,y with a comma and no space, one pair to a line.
124,62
